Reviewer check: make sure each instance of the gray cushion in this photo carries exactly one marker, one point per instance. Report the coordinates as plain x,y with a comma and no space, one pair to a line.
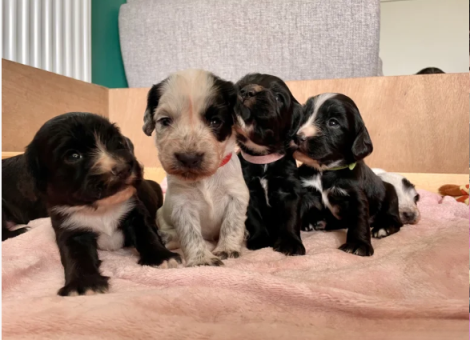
295,39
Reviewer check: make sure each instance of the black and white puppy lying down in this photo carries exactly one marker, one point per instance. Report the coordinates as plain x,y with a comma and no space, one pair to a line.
332,143
408,197
91,183
268,116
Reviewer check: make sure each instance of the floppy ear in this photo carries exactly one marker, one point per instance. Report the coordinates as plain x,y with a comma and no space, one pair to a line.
153,98
362,146
35,168
130,145
297,117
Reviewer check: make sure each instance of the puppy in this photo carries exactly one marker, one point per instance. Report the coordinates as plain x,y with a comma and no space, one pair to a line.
408,197
332,143
267,117
21,201
192,114
91,183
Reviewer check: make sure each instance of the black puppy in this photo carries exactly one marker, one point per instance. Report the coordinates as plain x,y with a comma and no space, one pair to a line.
21,201
332,143
267,116
91,183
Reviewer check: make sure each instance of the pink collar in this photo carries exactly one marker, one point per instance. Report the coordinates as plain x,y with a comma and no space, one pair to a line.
266,159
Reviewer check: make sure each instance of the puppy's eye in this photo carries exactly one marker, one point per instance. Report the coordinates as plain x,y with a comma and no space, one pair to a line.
215,122
333,123
73,157
165,121
122,145
416,198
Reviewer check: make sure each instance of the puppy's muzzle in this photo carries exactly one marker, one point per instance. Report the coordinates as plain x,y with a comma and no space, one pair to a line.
190,160
409,217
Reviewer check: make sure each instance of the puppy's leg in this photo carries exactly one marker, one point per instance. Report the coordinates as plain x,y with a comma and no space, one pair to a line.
185,218
387,221
286,214
167,232
141,230
350,205
258,235
233,226
79,256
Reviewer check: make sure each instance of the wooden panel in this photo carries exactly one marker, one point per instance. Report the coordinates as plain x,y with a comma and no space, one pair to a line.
32,96
418,124
126,108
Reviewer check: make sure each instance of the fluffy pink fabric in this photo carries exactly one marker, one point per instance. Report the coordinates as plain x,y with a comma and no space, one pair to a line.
414,287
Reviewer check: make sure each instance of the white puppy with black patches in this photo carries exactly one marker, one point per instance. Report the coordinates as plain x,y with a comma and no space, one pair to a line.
192,113
408,197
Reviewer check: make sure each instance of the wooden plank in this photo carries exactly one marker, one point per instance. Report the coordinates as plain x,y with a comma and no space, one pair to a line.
418,124
32,96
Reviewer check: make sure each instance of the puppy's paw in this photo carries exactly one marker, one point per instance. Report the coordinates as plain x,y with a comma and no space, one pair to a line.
258,241
289,246
162,259
225,254
358,248
208,260
86,285
320,225
384,232
307,227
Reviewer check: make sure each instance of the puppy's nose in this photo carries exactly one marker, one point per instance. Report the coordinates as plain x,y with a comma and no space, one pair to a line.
300,137
248,91
189,160
408,217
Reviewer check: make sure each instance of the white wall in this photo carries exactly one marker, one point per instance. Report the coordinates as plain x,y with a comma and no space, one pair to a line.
422,33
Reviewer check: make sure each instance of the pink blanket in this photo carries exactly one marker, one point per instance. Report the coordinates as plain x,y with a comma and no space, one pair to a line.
414,287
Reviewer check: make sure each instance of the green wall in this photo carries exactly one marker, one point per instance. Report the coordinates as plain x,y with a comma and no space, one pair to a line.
107,68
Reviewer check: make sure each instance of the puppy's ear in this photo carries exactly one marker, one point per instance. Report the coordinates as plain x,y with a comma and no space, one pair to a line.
35,168
130,145
228,91
153,98
297,118
362,146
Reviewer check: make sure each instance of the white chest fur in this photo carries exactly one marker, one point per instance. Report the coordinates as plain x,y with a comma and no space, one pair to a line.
315,182
103,221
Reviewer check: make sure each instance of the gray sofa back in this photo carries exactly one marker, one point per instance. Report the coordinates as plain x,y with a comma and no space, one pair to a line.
294,39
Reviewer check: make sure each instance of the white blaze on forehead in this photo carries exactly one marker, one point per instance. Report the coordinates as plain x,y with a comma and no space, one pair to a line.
186,93
310,129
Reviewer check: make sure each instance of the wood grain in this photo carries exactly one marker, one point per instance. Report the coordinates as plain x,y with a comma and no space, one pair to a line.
418,124
32,96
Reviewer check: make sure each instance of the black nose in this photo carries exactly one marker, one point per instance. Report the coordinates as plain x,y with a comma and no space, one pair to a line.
300,137
248,91
408,216
189,160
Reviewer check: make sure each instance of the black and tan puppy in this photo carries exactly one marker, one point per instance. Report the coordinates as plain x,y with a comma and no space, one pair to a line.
332,143
91,183
267,117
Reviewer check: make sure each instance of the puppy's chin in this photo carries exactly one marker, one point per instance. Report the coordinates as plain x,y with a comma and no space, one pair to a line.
303,158
119,197
191,175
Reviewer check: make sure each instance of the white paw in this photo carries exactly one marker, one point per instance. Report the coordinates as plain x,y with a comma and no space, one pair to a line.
380,233
207,260
171,263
